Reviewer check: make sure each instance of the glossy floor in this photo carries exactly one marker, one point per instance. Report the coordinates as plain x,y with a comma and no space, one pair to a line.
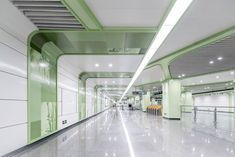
126,133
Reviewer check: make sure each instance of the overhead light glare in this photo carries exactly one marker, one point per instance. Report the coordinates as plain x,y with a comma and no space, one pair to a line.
219,58
217,77
173,17
110,65
232,73
211,62
97,65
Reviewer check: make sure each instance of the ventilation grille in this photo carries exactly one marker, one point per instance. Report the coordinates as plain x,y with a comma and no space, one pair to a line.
48,14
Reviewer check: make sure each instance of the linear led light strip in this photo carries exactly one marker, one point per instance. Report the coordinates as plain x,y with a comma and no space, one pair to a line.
175,14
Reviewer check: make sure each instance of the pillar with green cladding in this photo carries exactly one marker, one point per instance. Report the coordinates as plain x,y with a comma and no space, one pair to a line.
187,99
171,99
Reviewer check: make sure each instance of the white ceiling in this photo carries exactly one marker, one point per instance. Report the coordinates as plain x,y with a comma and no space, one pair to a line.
210,78
121,63
102,81
150,75
128,13
202,19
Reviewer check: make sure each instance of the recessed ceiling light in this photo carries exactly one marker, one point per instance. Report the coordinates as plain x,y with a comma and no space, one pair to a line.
232,73
110,65
179,76
217,77
201,81
97,65
183,75
219,58
231,83
211,62
226,84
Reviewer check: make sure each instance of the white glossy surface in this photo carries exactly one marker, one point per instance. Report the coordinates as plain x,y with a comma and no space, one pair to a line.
209,78
136,134
12,42
12,61
121,63
14,138
129,13
70,118
12,87
202,19
69,102
14,22
12,112
150,75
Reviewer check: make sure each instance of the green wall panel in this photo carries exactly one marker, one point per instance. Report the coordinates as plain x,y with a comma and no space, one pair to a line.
41,95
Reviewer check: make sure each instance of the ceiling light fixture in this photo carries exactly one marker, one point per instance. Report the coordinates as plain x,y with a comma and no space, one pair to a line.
201,81
232,73
97,65
175,14
110,65
211,62
183,75
173,17
219,58
217,77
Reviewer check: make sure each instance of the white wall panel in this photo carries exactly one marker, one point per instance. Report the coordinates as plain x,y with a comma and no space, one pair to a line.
70,120
12,112
12,42
59,100
12,87
69,102
212,100
12,20
13,138
12,61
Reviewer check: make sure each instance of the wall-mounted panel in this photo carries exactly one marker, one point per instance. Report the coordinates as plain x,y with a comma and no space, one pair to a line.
14,87
12,61
67,120
13,137
13,42
69,102
12,112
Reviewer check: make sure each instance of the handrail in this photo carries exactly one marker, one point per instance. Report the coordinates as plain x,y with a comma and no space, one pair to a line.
208,106
195,109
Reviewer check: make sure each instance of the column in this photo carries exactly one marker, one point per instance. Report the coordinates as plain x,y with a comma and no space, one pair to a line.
145,101
187,99
171,92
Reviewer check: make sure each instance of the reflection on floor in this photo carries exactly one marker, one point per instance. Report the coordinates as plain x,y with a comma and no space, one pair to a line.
117,133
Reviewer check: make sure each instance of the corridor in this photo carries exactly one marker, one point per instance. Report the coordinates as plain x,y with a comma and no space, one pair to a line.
124,133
